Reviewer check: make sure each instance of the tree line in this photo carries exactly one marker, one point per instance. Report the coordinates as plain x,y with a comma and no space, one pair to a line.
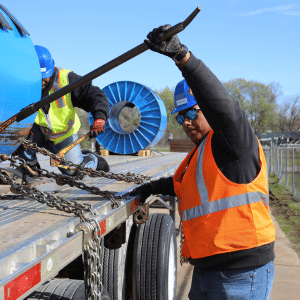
259,102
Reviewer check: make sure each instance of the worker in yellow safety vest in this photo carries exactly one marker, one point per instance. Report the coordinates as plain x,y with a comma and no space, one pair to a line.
222,186
56,125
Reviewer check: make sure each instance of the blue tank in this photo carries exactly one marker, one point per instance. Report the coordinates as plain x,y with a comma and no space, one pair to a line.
20,79
148,130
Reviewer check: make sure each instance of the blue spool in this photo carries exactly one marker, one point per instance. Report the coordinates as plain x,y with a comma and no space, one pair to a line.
20,80
153,118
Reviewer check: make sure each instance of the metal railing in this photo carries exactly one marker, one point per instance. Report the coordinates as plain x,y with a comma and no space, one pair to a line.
284,161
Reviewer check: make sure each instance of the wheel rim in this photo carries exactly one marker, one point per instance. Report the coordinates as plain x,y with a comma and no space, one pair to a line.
172,272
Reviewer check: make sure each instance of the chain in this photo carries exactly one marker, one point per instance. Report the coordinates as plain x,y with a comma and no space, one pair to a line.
14,162
71,181
68,206
183,259
6,179
129,177
3,179
92,189
92,264
91,249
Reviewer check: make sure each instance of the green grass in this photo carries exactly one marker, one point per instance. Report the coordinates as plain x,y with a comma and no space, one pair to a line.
295,207
286,211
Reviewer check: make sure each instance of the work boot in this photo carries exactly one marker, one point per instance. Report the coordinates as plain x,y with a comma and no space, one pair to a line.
102,163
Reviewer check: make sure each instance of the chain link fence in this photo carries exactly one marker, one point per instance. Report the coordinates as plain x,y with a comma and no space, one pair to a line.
284,161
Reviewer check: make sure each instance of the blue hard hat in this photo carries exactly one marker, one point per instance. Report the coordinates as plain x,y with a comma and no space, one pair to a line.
46,61
183,97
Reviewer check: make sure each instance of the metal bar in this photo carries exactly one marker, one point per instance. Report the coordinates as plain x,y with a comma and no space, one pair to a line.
34,107
62,152
293,171
173,204
286,165
271,158
280,163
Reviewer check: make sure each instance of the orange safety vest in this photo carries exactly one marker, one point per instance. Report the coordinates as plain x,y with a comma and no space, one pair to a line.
220,216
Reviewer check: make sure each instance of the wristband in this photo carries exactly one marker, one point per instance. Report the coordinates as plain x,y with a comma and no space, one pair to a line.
178,57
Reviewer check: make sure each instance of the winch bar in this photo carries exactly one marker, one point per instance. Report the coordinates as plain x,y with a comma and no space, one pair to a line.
34,107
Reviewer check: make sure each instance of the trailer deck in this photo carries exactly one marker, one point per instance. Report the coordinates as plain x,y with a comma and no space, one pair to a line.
36,239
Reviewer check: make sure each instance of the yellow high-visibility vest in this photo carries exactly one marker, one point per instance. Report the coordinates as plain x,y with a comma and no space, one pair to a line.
61,119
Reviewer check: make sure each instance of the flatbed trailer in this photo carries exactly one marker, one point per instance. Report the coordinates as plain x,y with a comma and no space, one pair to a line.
65,239
40,244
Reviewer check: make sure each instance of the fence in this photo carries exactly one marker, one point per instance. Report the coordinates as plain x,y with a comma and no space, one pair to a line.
284,161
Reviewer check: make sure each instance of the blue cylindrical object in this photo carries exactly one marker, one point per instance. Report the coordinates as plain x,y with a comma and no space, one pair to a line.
153,118
20,80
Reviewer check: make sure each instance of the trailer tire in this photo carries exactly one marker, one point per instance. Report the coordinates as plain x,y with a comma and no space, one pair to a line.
155,259
58,289
114,267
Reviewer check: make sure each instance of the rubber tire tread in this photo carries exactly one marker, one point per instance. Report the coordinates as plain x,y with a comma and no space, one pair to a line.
162,278
113,281
109,274
60,289
146,258
150,262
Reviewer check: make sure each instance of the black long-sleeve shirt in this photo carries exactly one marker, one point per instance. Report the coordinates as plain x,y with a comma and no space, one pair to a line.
87,97
235,150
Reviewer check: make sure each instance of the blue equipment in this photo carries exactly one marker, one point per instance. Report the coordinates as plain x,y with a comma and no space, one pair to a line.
153,118
183,97
20,80
46,61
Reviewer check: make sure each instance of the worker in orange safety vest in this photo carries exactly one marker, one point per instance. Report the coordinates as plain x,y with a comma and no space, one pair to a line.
222,186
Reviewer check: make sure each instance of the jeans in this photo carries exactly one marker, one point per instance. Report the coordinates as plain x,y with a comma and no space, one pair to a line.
247,284
74,155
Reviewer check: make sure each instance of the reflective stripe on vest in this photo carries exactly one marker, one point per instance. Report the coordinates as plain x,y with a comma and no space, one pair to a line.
55,87
61,134
218,205
208,207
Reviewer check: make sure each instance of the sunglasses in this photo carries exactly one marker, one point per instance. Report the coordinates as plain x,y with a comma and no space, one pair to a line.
190,114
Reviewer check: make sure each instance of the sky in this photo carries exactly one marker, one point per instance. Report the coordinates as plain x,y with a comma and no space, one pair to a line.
254,40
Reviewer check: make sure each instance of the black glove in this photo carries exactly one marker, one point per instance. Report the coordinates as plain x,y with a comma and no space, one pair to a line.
162,186
169,47
144,191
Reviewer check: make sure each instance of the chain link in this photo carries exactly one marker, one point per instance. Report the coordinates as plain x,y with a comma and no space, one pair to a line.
71,181
183,260
129,177
92,189
91,249
92,252
68,206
